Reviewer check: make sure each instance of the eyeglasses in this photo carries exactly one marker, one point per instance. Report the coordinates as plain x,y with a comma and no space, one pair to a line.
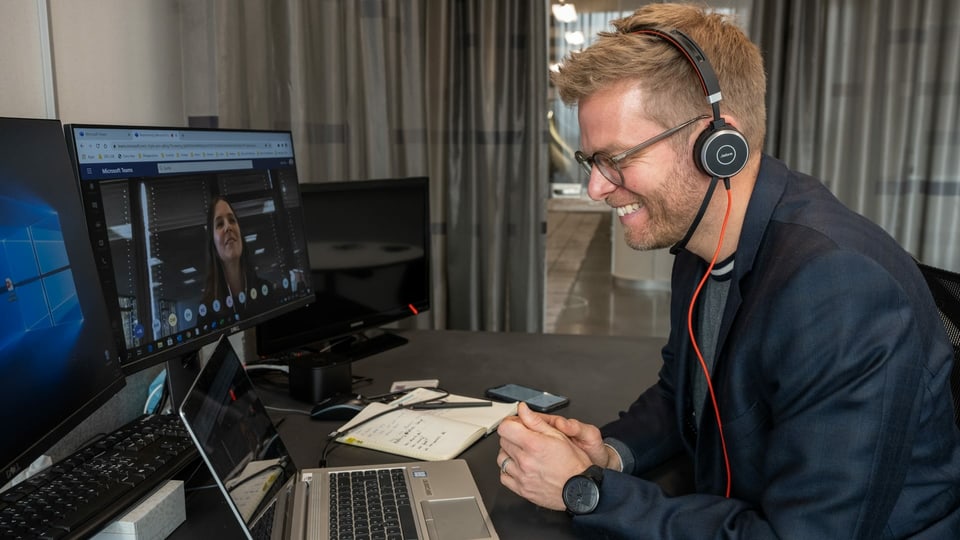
609,166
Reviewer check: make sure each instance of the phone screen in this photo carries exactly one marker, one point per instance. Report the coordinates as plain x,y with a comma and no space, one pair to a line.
538,400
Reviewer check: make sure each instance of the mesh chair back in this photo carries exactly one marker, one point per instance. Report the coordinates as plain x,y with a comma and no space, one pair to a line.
945,286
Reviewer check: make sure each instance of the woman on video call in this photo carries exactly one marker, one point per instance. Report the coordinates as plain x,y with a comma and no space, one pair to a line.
232,281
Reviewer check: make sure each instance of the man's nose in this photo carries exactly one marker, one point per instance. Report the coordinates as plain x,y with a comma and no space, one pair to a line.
598,187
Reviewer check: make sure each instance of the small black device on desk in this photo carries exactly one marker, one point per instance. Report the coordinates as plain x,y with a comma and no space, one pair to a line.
537,400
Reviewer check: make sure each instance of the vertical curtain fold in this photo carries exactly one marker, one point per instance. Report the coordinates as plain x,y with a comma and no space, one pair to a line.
450,89
864,95
491,57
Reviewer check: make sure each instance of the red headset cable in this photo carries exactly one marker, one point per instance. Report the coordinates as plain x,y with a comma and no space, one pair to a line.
693,340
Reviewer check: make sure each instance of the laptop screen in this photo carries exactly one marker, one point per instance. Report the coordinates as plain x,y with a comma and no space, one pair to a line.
235,434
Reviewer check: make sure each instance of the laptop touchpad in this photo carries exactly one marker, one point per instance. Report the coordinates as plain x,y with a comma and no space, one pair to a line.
454,519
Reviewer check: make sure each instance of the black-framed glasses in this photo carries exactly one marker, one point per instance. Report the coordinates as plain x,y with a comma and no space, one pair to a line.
609,166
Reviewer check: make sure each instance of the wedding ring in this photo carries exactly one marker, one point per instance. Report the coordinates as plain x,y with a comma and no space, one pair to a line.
503,465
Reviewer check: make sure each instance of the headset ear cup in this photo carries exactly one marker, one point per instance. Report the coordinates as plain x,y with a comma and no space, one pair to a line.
721,152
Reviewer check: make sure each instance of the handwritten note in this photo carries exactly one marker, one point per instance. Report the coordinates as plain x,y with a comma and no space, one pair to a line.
411,433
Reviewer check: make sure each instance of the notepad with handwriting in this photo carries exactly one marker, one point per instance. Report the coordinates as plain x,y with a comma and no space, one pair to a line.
430,435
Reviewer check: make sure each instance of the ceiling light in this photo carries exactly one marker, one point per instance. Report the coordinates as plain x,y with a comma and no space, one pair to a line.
565,13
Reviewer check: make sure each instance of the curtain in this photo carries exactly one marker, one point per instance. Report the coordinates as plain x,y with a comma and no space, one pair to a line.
489,71
865,94
450,89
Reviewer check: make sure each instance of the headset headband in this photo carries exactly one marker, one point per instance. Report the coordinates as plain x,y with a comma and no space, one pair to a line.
709,82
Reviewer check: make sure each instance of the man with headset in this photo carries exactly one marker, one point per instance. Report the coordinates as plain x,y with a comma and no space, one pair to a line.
806,373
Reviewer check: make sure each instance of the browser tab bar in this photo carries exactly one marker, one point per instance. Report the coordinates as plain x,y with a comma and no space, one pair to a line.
153,145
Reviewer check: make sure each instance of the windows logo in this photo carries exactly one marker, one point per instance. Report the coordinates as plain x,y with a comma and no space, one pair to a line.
39,292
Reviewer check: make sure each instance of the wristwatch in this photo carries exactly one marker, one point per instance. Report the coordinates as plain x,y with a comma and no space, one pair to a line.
581,493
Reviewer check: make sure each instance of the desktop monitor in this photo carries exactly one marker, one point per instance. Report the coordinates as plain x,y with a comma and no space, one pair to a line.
196,232
369,244
58,362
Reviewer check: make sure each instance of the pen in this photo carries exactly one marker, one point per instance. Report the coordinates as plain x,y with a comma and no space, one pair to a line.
450,405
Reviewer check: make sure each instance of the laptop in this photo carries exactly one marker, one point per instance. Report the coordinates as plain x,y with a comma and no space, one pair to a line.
271,498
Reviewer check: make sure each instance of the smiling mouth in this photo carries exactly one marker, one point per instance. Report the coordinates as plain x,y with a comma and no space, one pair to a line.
628,209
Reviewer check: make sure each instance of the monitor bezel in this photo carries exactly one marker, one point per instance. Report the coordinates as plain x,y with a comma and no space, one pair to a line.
185,352
272,343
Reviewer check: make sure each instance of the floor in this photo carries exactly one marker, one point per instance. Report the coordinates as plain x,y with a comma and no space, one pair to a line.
582,295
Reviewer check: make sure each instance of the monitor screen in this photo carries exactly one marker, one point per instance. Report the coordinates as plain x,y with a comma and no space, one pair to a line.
58,362
197,232
369,244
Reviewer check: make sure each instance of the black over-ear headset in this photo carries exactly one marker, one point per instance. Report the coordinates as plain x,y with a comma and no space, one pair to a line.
721,151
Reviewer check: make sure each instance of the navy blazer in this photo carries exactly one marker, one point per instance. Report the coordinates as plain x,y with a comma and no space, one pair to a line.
832,380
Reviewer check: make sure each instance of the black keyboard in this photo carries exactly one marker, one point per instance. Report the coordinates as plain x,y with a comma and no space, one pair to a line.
371,504
83,493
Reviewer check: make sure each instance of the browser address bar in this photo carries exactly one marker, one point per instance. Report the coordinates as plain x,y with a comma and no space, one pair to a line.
201,166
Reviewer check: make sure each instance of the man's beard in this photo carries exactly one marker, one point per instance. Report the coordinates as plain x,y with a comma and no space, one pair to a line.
671,209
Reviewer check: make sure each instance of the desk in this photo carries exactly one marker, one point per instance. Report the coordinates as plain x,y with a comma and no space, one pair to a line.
600,374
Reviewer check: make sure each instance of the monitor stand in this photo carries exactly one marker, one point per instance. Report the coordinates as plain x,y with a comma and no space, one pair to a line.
367,343
181,372
324,371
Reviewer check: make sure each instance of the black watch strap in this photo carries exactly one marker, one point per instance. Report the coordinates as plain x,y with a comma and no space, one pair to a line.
581,493
595,473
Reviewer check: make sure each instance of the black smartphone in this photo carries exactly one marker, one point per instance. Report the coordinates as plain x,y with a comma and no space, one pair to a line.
537,400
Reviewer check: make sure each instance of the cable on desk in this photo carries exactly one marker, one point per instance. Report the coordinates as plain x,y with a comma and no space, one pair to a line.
147,409
360,380
267,367
283,409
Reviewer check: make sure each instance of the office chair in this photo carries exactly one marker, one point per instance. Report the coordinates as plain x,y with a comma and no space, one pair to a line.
945,286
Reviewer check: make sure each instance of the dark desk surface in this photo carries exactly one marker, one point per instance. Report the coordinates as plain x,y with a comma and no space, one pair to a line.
600,374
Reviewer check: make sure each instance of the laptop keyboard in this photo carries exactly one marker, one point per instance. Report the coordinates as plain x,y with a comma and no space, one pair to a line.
82,493
263,528
371,504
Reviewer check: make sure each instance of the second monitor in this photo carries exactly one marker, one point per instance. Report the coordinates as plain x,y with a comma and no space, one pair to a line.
369,245
196,232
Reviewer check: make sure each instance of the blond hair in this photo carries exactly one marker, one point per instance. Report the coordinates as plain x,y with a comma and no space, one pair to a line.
669,81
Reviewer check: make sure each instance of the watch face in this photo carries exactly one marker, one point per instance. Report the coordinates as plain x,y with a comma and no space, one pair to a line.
581,495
